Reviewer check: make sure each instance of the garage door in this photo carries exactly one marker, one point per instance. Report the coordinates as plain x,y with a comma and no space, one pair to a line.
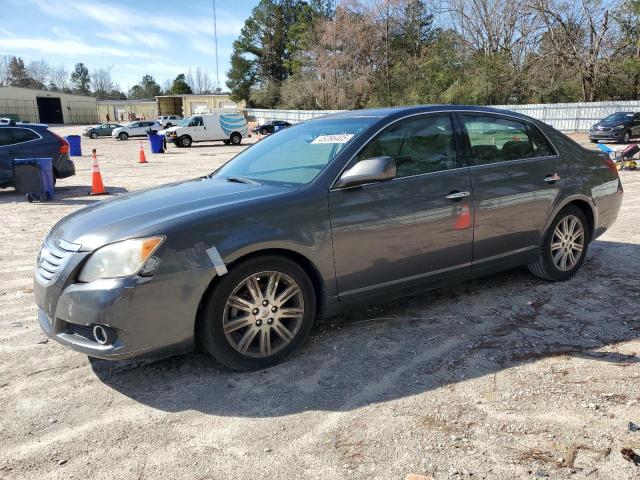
50,109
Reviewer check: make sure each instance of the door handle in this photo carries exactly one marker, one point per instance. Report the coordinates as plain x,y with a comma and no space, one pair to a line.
457,195
552,177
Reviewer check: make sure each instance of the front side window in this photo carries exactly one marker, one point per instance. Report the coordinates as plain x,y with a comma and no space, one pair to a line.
196,122
296,155
494,140
419,145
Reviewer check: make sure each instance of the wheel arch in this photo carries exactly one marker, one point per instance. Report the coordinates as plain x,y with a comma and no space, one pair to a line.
305,263
584,203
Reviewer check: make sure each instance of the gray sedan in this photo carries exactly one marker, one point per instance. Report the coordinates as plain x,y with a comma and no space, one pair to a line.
328,214
102,130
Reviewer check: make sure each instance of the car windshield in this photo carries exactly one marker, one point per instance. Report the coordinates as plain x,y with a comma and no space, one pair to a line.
618,117
298,154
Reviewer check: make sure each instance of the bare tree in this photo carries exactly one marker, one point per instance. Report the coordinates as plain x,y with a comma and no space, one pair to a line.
200,82
581,33
5,71
59,77
40,71
101,81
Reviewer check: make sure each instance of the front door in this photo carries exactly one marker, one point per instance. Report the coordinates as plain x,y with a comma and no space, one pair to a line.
517,179
6,159
396,232
197,129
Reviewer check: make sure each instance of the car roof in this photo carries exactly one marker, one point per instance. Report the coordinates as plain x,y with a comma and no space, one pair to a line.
414,109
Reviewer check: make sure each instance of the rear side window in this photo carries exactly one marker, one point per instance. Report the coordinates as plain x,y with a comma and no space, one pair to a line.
5,137
494,139
23,135
419,145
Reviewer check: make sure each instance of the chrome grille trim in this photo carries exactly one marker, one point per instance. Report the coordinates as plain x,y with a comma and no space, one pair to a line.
53,258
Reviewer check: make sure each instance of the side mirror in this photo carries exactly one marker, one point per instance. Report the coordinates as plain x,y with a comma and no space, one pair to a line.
375,169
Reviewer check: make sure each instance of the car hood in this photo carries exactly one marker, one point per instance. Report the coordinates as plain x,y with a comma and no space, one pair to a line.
152,211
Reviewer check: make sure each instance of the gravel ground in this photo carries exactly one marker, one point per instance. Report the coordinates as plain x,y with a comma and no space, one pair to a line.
503,377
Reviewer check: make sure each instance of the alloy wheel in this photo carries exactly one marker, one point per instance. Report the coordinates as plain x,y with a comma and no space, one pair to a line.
567,243
263,314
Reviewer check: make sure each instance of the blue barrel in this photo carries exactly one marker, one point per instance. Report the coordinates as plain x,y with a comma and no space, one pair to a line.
75,150
34,176
157,143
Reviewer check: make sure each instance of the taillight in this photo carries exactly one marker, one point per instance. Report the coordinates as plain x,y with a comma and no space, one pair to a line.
64,145
611,165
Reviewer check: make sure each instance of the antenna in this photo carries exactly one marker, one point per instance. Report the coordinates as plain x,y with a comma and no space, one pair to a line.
215,41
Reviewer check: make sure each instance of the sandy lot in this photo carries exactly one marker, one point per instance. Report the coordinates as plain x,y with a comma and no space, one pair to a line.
504,377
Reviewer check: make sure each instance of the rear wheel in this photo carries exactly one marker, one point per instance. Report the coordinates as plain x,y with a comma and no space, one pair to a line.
627,137
258,314
123,136
185,141
564,247
236,138
168,125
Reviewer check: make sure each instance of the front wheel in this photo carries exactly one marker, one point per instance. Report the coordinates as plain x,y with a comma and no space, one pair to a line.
93,135
258,314
123,135
564,248
185,141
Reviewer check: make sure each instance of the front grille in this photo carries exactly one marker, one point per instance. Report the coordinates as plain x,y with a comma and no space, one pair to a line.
53,259
84,331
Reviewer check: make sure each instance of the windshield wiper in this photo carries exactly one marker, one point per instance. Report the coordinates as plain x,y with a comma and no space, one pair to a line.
248,181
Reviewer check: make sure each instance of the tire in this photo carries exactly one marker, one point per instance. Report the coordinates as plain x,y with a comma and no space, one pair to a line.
544,266
185,141
123,136
168,125
93,135
236,139
264,132
228,347
627,137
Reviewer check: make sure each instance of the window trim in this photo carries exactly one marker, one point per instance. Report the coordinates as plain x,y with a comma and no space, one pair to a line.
389,126
466,141
460,134
26,141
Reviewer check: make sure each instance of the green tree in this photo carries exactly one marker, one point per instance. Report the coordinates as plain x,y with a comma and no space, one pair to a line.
146,89
80,79
265,53
180,86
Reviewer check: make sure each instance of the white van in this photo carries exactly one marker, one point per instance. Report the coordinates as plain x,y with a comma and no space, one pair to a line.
230,127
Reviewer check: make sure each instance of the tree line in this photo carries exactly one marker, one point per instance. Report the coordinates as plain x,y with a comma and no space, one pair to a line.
98,82
315,54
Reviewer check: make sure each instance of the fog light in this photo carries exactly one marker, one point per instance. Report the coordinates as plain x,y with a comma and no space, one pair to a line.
103,335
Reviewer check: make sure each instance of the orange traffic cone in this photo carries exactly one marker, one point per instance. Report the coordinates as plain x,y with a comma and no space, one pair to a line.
142,158
464,218
97,188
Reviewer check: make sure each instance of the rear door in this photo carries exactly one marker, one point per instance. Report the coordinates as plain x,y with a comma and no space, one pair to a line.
636,125
6,160
413,227
517,179
18,142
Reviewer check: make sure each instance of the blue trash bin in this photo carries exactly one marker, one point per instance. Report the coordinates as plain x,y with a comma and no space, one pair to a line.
75,148
34,177
157,143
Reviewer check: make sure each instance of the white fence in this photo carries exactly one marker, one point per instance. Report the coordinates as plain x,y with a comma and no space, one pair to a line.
567,117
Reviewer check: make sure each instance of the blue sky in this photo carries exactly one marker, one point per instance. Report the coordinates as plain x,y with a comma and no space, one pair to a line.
162,38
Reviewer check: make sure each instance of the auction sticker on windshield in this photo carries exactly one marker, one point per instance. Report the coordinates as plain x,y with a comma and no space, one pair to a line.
339,138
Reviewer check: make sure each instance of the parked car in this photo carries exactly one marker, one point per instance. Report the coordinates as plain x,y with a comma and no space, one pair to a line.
619,127
168,121
139,128
334,212
270,127
227,127
31,140
102,130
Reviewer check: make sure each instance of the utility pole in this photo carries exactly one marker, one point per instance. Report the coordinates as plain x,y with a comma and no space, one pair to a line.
215,41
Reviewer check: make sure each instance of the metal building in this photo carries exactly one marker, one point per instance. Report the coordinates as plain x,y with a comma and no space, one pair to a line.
44,106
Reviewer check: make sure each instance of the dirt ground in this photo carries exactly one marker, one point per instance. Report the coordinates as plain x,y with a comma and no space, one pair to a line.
500,378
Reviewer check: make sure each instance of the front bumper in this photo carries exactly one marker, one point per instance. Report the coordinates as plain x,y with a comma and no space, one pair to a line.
149,315
597,135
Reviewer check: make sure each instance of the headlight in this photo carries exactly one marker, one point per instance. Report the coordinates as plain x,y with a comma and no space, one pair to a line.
120,259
